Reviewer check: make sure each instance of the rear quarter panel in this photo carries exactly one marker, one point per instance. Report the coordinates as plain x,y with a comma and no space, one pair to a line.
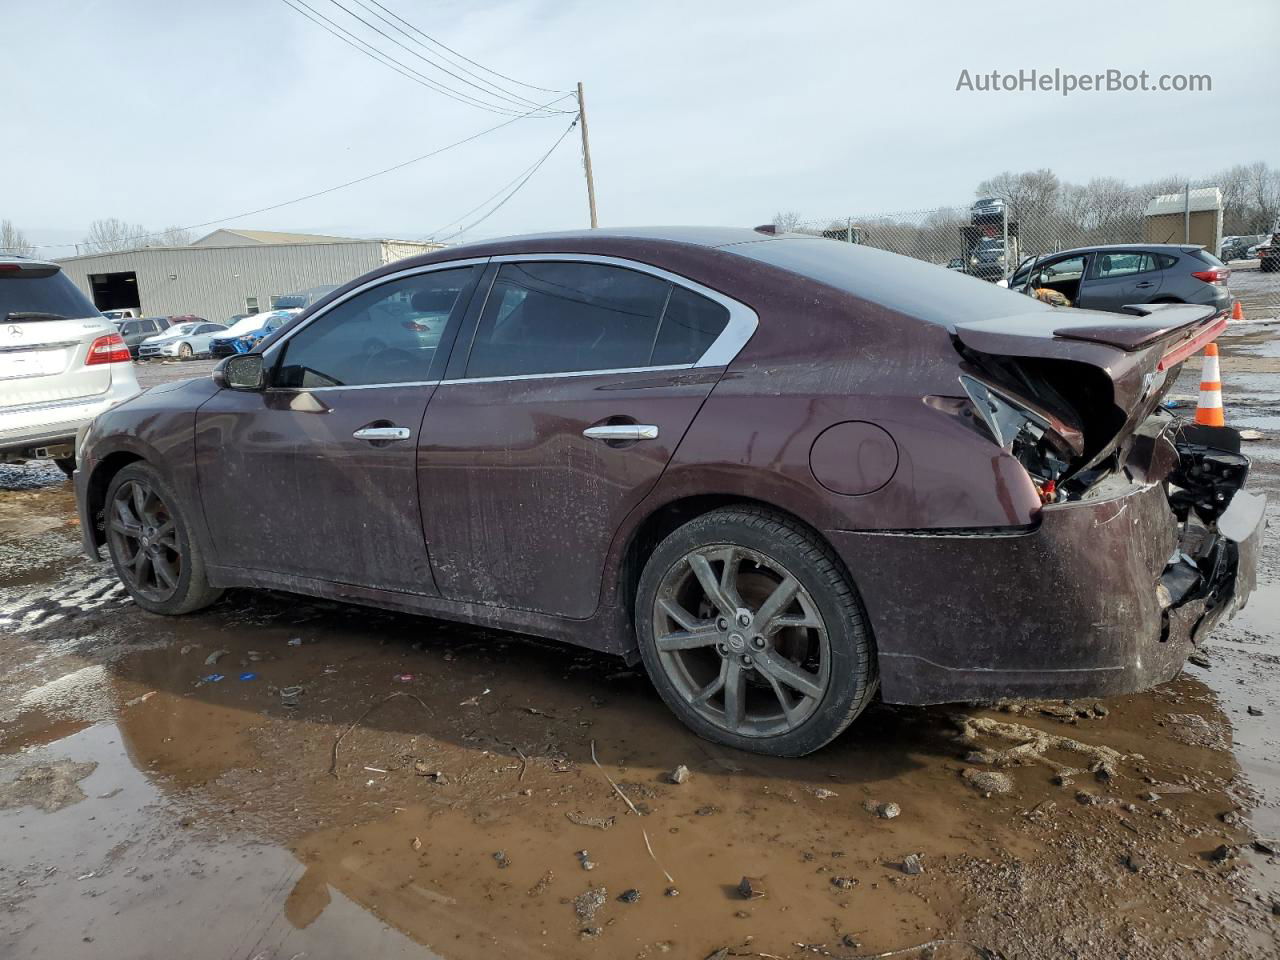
819,358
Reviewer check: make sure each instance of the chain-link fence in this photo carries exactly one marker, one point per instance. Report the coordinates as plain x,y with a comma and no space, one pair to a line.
990,237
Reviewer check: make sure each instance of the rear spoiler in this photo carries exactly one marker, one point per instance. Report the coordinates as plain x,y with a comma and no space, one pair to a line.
1182,323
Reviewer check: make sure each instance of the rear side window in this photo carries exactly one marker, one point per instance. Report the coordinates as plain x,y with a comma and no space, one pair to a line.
1164,261
689,326
1124,264
48,293
554,317
388,334
566,317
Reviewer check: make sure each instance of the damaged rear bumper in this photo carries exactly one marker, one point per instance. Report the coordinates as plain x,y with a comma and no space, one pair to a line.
1106,595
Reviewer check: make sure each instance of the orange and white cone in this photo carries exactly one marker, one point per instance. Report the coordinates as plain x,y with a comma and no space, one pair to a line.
1209,410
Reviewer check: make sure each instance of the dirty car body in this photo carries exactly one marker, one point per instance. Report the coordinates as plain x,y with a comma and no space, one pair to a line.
784,472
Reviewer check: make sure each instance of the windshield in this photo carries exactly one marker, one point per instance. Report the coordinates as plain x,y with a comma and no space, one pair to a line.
52,294
183,329
247,325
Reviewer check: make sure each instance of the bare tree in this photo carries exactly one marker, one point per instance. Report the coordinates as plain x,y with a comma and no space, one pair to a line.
12,240
1032,194
111,234
786,222
174,237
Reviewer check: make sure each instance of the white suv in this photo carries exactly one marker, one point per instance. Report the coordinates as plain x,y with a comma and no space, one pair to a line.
61,363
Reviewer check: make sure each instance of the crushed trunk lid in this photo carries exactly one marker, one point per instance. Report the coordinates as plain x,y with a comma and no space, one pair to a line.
1074,372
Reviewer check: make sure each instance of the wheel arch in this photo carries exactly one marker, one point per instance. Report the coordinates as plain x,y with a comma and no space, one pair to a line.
668,517
96,489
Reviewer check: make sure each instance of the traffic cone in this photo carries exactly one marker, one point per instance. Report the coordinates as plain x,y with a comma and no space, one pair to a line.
1237,312
1209,409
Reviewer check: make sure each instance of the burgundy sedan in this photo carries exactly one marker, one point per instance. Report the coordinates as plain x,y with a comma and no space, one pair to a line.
783,472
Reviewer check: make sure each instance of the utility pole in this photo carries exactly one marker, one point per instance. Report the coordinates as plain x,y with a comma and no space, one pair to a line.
586,157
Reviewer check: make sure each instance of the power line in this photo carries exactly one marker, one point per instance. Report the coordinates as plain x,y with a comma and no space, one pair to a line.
349,38
501,94
487,200
526,178
461,56
336,187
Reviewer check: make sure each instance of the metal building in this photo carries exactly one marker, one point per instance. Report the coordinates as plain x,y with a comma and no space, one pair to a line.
228,272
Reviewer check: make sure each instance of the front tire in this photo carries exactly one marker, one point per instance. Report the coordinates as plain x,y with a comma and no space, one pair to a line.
751,631
150,543
185,352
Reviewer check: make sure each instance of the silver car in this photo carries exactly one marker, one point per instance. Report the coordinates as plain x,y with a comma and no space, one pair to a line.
61,363
184,341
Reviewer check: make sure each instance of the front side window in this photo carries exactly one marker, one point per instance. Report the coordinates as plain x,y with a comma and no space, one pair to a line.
564,317
1072,268
387,334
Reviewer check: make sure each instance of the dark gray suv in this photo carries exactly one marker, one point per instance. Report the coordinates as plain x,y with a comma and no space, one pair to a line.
1110,277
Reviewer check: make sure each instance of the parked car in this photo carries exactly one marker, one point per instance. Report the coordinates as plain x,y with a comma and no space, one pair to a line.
246,334
986,260
123,313
1115,276
136,330
987,210
1269,254
955,263
183,340
61,363
781,472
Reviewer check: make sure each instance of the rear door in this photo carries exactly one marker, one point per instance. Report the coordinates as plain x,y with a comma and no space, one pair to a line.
47,328
316,476
1119,278
567,395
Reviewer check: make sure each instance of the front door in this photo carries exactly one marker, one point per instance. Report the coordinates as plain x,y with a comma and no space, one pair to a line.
560,414
316,476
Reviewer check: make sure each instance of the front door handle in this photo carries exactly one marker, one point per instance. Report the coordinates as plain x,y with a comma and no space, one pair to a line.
382,433
622,431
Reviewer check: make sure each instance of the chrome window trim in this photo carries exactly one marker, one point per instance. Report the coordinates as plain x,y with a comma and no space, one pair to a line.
567,374
742,323
357,386
742,319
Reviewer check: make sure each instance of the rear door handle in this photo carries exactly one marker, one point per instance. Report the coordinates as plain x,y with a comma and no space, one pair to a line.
382,433
622,431
1145,284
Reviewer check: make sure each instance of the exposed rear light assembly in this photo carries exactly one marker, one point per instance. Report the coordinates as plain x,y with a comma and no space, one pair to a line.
1215,275
1044,444
110,348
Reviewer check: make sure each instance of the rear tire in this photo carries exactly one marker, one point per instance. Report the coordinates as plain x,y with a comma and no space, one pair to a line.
66,464
149,539
776,656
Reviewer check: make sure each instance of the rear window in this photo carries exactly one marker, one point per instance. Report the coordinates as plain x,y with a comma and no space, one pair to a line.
914,287
1207,257
54,294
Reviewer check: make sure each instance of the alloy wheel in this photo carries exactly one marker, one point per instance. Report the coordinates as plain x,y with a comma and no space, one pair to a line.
144,541
741,640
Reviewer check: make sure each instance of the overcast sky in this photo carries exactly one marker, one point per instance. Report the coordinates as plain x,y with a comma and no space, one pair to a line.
176,112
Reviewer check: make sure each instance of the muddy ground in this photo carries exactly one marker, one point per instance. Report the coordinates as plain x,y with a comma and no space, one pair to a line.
280,778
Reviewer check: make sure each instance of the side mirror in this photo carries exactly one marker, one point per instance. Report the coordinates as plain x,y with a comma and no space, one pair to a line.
243,371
